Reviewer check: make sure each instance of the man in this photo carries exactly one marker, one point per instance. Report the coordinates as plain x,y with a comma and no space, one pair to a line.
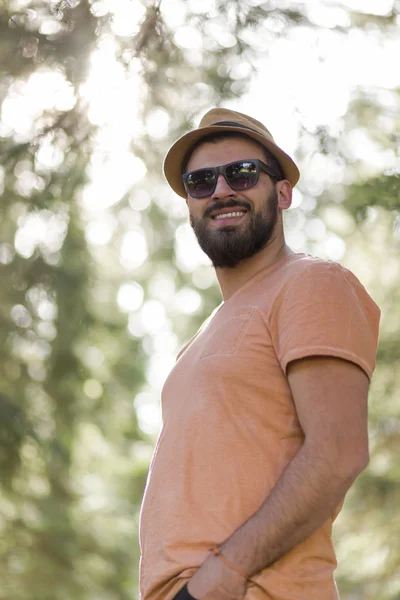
265,412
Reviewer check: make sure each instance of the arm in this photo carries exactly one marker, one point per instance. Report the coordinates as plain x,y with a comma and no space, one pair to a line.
330,395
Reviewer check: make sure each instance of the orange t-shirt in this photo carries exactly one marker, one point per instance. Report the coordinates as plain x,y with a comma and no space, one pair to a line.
230,425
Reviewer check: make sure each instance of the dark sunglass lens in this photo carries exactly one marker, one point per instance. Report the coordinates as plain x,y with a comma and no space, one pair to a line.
242,175
200,183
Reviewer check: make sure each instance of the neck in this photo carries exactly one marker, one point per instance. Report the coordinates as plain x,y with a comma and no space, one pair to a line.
232,279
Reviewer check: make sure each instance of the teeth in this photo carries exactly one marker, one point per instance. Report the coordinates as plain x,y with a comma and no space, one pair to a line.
230,214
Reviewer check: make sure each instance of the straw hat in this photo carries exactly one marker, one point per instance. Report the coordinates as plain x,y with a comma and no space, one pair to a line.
219,120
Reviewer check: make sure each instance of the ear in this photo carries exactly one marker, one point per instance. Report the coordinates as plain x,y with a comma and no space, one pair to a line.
284,190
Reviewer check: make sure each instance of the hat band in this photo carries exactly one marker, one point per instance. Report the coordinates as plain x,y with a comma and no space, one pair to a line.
232,124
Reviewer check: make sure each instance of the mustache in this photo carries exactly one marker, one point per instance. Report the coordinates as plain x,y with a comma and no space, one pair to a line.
227,204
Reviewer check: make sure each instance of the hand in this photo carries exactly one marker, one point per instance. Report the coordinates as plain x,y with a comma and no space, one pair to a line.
216,581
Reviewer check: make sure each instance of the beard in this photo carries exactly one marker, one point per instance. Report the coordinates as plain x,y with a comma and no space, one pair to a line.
226,247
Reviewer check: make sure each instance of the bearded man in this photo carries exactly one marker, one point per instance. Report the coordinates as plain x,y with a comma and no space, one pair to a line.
265,411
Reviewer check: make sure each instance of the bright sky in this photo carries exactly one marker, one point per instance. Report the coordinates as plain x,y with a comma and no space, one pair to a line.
308,78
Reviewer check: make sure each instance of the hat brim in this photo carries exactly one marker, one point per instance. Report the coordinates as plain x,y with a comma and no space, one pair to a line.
177,153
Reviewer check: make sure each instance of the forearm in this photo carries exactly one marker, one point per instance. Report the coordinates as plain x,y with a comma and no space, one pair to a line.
301,501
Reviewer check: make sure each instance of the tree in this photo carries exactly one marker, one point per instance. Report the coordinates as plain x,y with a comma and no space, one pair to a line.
94,303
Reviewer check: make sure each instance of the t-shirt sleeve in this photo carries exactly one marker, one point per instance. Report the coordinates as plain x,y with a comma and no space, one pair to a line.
325,311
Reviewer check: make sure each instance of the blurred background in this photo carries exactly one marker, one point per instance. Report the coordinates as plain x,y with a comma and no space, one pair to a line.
102,281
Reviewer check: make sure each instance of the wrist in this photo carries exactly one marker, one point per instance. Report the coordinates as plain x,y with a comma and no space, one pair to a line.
221,556
216,578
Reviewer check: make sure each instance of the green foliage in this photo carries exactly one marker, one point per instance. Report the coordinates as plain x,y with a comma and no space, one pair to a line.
78,368
383,191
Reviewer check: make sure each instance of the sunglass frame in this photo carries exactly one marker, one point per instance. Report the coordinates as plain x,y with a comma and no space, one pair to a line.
259,164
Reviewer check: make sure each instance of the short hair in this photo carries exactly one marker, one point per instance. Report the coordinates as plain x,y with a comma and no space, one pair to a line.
214,138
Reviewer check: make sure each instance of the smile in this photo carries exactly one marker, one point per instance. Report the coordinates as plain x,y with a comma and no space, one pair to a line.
230,215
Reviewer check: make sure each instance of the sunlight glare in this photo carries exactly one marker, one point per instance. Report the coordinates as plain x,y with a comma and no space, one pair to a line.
147,407
373,7
41,303
189,255
128,15
337,218
111,178
92,388
113,94
46,330
297,198
158,369
130,296
92,356
374,64
187,301
327,16
99,233
30,350
6,253
157,124
174,13
48,157
49,89
162,286
21,316
333,247
188,37
134,250
153,316
49,27
296,240
26,100
203,277
27,182
44,229
135,326
104,83
217,31
361,147
326,67
201,6
315,229
139,200
166,342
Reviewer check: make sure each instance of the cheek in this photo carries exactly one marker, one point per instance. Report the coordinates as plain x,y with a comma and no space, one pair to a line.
194,216
196,209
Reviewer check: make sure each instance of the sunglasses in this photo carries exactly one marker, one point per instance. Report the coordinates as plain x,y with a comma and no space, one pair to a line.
239,175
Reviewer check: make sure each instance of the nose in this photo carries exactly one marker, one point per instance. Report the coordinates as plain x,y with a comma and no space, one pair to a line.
222,189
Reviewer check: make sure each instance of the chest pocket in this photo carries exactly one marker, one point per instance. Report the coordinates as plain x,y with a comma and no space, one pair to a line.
227,337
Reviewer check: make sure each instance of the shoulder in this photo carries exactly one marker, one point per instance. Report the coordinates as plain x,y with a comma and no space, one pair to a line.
306,264
323,310
313,286
295,266
302,278
311,272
